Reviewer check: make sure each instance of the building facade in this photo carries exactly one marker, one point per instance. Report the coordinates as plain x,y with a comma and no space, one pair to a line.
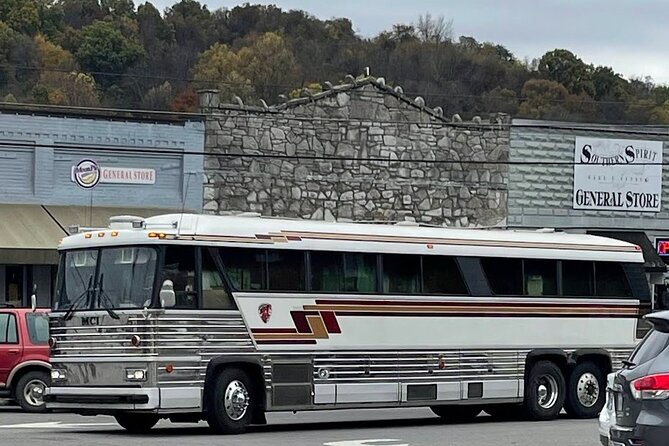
604,180
358,151
61,170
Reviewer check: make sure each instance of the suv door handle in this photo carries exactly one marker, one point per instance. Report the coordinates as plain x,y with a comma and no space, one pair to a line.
13,351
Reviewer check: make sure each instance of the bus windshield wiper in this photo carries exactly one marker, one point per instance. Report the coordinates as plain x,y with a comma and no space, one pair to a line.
105,301
70,310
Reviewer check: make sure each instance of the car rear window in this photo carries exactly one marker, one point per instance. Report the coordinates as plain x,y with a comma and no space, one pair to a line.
38,327
651,346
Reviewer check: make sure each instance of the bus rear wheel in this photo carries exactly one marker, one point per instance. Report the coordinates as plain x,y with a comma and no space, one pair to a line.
231,406
456,413
586,391
137,423
544,391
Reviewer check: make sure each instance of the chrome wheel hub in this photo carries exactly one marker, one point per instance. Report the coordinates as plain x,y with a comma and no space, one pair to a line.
33,392
547,392
236,400
587,390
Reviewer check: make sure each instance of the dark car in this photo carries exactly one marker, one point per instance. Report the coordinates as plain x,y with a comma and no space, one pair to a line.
640,391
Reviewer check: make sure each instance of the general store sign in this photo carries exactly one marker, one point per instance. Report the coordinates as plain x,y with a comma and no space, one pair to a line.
87,174
617,174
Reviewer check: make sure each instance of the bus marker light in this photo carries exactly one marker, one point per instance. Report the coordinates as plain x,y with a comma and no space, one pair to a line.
101,234
114,233
88,235
135,340
169,368
430,246
442,364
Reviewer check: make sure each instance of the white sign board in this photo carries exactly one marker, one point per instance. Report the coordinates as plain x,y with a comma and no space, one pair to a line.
87,174
127,175
617,174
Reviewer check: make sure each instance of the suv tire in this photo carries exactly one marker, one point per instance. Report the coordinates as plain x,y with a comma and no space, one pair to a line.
29,391
586,391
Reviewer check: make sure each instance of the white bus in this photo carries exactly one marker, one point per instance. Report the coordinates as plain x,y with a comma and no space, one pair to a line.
224,318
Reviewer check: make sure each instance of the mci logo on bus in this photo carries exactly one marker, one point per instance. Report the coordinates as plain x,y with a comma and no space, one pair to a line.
265,312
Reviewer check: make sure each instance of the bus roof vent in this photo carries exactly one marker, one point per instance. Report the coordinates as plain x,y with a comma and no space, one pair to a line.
248,214
126,222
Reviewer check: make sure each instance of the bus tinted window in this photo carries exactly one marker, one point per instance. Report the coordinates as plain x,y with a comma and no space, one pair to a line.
343,272
577,278
505,276
214,292
540,277
611,280
286,270
401,274
441,275
245,267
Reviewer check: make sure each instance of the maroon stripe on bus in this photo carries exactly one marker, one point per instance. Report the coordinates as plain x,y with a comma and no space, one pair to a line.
330,321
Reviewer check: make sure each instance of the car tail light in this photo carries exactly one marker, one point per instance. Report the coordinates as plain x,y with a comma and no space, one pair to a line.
651,387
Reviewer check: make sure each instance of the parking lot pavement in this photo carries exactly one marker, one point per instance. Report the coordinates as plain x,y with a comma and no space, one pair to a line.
387,427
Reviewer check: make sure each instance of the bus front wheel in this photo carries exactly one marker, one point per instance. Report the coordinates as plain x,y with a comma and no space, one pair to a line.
231,408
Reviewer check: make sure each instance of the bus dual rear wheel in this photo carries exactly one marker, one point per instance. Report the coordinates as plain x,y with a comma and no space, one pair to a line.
544,391
231,406
586,395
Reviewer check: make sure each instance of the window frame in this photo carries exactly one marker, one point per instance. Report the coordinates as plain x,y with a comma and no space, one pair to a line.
11,315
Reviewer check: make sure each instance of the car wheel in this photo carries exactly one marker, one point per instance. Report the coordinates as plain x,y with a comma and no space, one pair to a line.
544,391
457,413
232,402
586,394
29,391
137,423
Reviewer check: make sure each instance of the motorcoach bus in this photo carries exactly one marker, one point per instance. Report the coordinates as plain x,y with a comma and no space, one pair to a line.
224,318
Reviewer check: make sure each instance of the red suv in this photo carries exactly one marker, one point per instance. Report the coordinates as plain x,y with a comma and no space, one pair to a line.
24,356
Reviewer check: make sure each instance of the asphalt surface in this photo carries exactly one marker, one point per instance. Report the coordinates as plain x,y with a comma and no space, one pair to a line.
387,427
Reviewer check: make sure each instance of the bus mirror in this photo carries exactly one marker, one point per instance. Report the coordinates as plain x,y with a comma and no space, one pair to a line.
167,296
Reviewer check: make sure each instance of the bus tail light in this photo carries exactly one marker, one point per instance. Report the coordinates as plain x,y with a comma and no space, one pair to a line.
651,387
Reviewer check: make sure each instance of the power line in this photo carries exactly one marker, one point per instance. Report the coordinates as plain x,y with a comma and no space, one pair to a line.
167,151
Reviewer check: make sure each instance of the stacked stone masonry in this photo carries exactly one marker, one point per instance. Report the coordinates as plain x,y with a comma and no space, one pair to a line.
358,152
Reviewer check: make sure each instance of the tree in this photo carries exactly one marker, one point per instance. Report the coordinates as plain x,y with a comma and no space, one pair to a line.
158,97
270,65
186,101
218,67
80,13
543,99
105,49
564,67
435,30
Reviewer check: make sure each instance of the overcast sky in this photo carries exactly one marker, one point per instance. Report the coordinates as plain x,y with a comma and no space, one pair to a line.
629,35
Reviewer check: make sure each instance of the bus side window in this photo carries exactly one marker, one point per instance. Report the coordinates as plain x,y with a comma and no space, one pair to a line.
214,293
179,267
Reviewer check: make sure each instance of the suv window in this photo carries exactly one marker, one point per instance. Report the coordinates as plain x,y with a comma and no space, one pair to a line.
8,332
38,328
651,346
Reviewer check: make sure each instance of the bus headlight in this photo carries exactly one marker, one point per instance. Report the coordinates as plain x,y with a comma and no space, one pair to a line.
58,375
135,374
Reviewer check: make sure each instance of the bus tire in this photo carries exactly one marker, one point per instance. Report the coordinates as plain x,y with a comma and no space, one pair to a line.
136,423
544,391
456,413
231,409
586,394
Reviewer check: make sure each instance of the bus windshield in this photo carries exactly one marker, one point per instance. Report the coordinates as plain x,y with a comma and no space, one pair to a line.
106,278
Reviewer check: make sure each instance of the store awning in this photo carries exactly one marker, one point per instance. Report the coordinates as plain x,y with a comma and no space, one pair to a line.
653,262
29,234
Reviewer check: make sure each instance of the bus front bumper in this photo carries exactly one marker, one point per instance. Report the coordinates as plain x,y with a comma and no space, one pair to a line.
102,399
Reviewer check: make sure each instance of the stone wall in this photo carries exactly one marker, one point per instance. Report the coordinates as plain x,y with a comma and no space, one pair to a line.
362,151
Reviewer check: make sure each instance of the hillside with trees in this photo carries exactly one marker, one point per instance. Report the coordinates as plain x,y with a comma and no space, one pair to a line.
112,53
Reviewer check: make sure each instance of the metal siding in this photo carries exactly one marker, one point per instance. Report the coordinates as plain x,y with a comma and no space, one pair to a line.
41,175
